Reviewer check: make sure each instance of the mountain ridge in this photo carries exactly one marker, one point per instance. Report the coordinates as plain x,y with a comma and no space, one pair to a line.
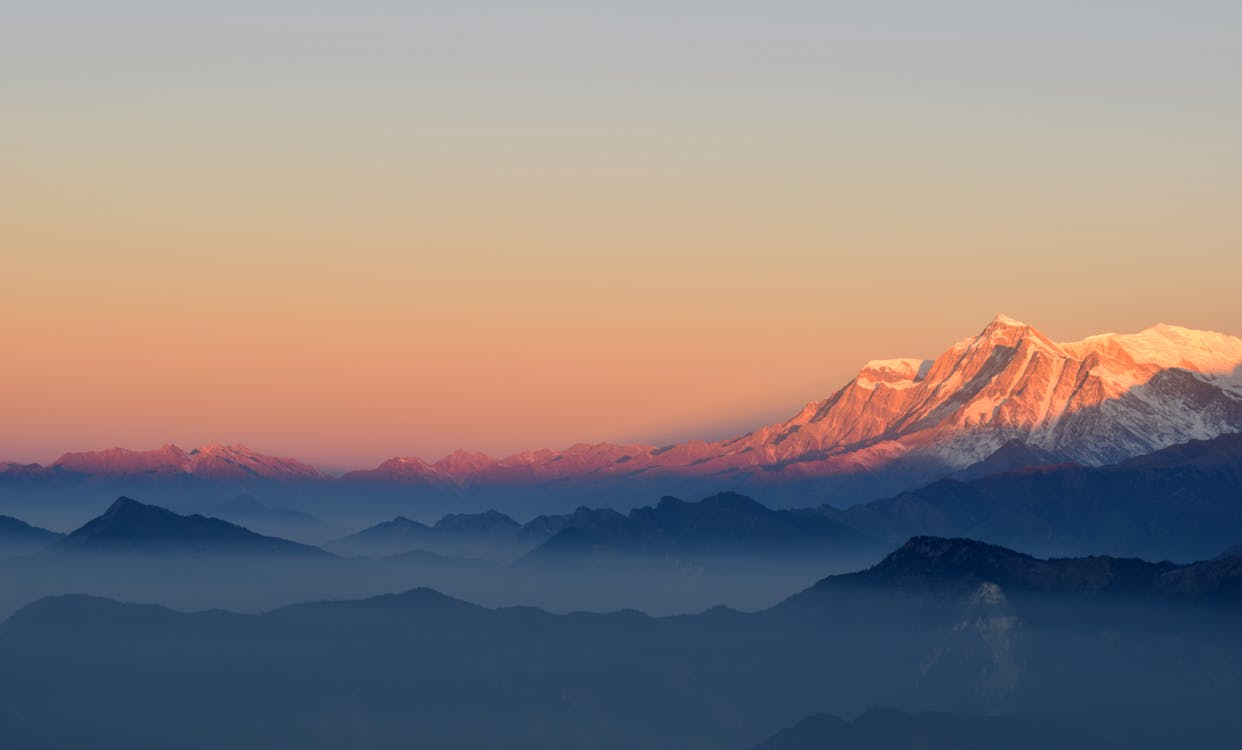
1179,502
215,461
406,662
129,526
1094,401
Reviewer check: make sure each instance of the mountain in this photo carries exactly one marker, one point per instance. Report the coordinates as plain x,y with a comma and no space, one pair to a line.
1005,398
490,535
491,523
1014,454
387,538
211,461
131,527
273,520
726,525
19,538
1179,503
1094,401
1000,637
939,565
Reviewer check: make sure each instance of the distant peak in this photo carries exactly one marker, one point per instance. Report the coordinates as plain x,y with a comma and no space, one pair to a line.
215,449
938,546
1004,327
463,453
730,500
1003,320
124,503
1008,332
934,556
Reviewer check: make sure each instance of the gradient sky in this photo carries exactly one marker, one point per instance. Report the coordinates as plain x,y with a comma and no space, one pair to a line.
350,230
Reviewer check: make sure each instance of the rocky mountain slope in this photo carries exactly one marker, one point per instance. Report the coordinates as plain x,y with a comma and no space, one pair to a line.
1093,401
1005,397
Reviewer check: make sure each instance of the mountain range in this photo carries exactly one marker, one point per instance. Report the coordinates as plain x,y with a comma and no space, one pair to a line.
1145,653
1178,503
672,556
1005,397
490,535
1093,401
726,526
213,461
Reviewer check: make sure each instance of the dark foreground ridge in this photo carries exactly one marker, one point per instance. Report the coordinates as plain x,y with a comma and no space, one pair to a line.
942,625
890,729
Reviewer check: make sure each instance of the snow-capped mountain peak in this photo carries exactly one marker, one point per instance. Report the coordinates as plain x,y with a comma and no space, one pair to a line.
214,460
1097,400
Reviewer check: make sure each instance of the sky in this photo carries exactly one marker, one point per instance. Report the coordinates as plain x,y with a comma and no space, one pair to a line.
344,231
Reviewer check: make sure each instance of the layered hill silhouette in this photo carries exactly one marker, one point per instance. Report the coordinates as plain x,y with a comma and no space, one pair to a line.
1155,665
271,520
490,535
18,537
942,566
725,525
131,527
1180,502
1005,397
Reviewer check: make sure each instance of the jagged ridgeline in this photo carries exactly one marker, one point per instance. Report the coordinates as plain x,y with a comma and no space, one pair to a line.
1005,397
1087,652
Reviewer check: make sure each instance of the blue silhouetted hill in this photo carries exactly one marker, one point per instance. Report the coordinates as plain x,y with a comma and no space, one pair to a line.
18,537
131,527
490,535
1180,503
720,526
1147,650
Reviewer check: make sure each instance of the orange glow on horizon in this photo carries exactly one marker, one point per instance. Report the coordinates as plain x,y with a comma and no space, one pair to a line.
343,236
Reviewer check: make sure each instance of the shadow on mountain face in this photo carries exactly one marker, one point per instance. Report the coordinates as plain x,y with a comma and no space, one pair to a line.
1179,503
1144,651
